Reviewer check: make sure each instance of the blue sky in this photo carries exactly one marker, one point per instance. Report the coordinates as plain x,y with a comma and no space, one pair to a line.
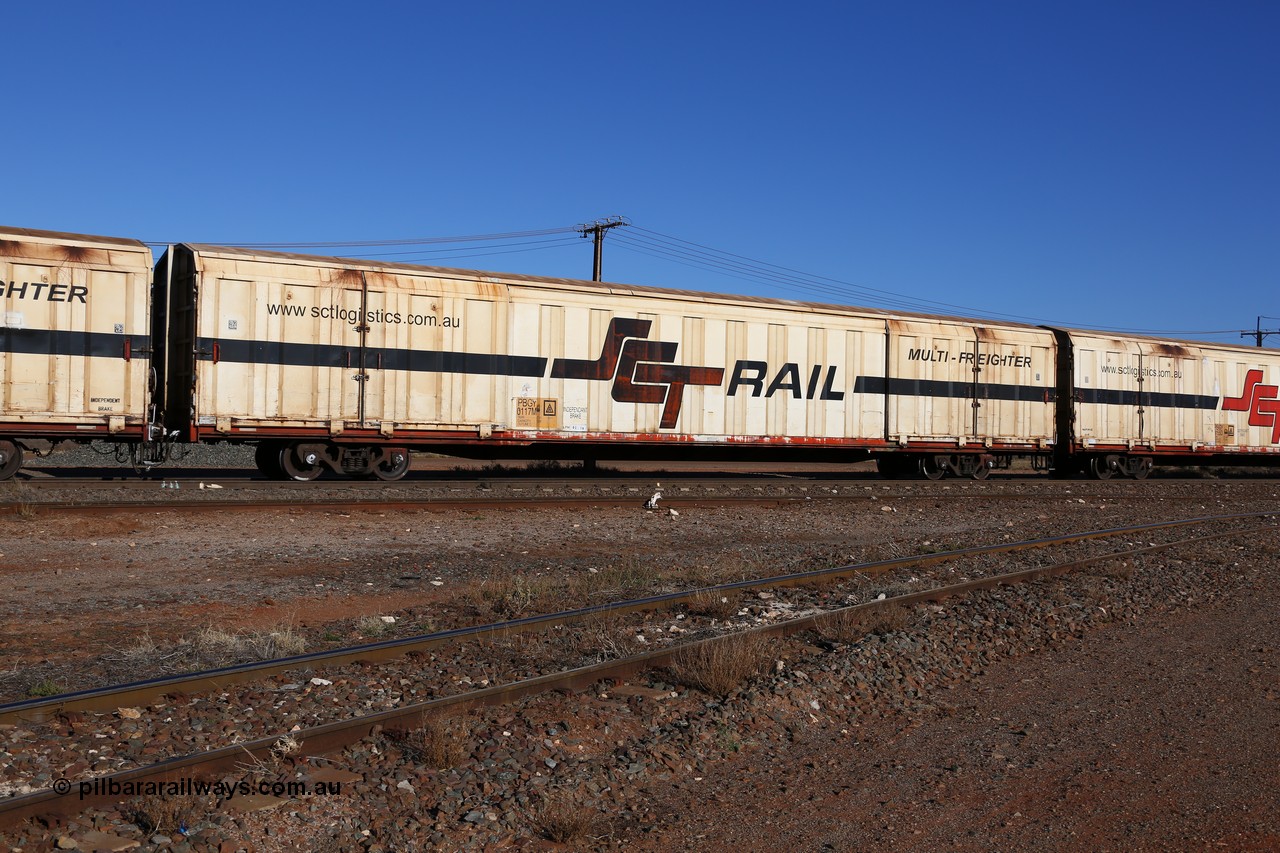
1096,164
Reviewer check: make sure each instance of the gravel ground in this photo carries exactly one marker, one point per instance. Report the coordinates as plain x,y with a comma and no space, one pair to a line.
1003,684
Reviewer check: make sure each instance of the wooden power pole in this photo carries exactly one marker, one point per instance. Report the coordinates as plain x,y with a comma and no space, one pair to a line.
597,230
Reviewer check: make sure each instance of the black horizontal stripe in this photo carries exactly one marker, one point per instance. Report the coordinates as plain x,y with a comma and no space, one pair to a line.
1114,397
963,390
73,343
331,355
1029,393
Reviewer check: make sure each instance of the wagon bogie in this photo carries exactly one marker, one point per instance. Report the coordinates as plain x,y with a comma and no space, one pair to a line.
307,460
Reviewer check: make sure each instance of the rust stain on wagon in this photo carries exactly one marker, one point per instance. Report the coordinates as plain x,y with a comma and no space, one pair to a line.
381,280
1171,350
343,275
15,249
81,255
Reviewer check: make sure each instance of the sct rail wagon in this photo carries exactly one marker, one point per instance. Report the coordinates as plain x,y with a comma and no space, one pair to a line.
329,364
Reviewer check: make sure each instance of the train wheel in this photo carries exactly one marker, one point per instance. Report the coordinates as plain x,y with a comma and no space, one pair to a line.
1142,468
983,471
299,464
932,467
267,458
1102,467
10,459
394,466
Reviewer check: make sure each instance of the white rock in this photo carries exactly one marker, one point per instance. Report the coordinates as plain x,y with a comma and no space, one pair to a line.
321,682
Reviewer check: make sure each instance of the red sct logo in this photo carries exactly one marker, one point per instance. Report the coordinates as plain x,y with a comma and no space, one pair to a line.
1259,401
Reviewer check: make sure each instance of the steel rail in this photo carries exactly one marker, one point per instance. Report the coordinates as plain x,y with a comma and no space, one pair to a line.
148,690
337,735
437,504
495,498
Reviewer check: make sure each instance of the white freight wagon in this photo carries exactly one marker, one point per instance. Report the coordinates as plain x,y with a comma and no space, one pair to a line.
1138,399
329,363
349,364
75,341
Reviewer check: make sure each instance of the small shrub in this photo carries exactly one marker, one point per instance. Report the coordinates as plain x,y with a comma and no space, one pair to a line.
727,739
44,687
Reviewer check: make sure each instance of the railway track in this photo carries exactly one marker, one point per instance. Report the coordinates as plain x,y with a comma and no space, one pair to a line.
332,735
95,496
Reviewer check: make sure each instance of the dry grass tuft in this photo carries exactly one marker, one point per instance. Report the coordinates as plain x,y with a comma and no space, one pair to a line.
715,605
721,666
1119,569
210,648
372,626
170,814
516,595
434,743
850,626
24,506
217,647
628,577
563,820
605,637
893,590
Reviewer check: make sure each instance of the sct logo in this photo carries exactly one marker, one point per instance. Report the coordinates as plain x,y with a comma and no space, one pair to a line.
642,371
1259,401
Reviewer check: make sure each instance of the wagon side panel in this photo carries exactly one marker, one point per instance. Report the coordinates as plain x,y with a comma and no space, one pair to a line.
74,335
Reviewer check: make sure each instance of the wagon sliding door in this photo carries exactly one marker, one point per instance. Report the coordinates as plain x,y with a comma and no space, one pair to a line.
963,385
277,354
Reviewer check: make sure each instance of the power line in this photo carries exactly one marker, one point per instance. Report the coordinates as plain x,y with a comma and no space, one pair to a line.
698,255
739,266
532,245
695,255
412,241
409,241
